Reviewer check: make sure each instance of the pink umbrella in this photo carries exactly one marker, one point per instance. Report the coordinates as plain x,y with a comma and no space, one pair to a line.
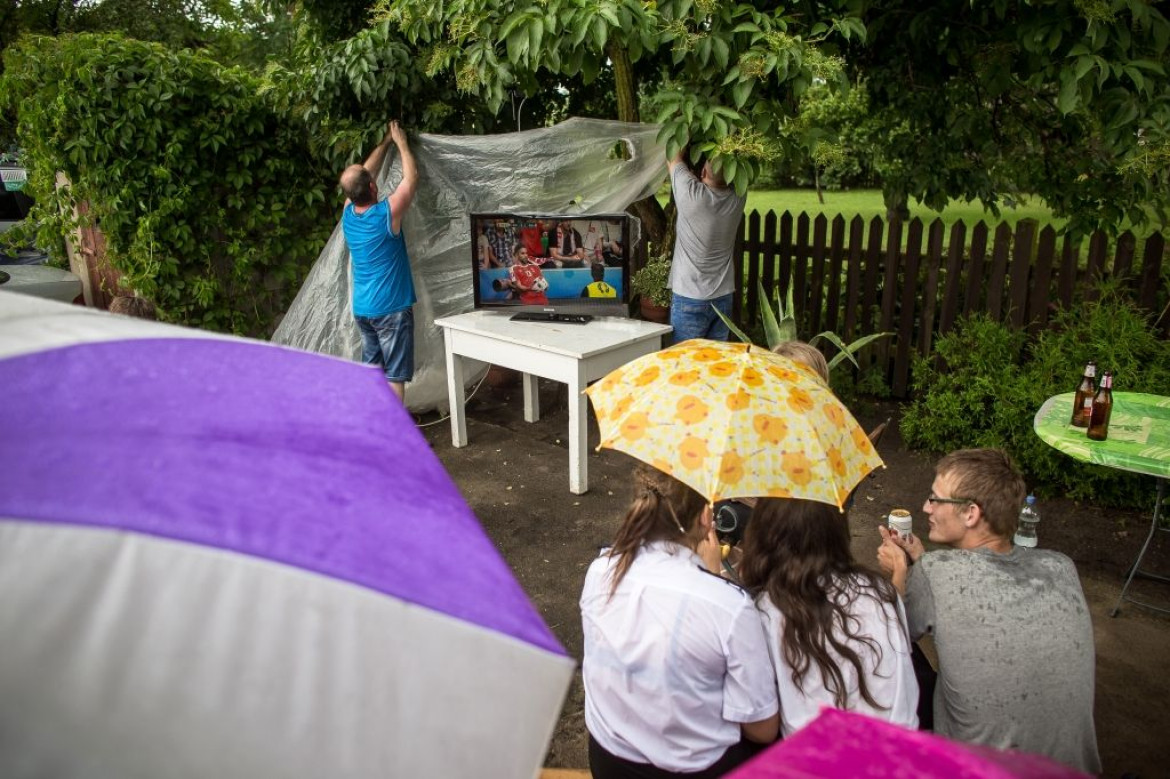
840,743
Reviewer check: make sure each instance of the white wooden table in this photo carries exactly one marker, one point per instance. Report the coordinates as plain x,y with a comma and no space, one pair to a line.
573,354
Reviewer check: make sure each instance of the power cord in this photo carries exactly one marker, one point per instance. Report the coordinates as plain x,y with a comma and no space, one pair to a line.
421,425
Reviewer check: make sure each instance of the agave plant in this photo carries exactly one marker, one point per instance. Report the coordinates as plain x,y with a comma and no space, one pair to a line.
780,326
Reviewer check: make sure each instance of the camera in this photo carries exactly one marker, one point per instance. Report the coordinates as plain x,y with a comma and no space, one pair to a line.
731,520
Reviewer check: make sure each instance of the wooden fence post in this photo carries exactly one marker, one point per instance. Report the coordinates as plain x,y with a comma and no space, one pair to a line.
843,283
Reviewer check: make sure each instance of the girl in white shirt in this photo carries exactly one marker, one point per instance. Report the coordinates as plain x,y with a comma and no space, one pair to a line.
836,631
676,666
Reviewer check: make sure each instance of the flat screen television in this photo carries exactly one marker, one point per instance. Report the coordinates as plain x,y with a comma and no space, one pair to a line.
552,267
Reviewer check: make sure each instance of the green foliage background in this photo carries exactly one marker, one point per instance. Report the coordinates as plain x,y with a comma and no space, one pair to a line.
986,381
206,192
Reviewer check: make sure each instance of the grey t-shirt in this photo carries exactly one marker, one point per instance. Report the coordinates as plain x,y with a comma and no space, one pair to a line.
1015,650
708,221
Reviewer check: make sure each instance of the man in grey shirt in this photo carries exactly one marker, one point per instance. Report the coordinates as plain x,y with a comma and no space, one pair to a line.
1012,630
701,274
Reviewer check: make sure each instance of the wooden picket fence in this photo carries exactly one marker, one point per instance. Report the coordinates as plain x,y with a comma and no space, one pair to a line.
917,285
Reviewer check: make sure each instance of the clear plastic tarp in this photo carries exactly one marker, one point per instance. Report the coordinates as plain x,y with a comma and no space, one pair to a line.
572,168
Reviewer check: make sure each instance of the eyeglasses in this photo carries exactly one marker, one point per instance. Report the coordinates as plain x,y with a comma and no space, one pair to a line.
934,499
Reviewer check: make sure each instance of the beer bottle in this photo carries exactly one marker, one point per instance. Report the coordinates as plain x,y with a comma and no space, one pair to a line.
1083,400
1102,409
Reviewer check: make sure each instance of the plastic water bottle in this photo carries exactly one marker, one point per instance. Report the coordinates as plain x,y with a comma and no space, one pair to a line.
1029,518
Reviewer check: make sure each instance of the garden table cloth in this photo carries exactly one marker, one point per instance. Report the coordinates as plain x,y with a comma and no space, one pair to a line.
1138,441
1139,433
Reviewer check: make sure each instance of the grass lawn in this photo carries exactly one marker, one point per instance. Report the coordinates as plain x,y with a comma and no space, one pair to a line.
868,203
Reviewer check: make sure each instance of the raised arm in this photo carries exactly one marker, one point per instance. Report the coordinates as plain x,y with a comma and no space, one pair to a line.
403,196
373,163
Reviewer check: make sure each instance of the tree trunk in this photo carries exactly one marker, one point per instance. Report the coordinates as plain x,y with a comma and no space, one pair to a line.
655,227
623,79
897,206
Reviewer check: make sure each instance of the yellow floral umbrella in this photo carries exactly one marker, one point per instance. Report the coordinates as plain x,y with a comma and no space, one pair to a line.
734,421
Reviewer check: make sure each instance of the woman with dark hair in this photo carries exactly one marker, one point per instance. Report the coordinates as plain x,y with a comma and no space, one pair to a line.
836,631
676,665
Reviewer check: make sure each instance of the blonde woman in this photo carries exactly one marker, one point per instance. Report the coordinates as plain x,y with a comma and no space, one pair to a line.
807,355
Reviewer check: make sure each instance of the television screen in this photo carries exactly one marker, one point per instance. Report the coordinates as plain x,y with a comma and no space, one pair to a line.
552,264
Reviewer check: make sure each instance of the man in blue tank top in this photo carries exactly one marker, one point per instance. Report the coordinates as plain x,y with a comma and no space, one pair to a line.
383,291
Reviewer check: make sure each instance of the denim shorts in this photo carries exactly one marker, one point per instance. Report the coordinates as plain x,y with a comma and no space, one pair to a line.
389,341
693,318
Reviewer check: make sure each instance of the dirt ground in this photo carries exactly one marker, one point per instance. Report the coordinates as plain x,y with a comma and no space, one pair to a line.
515,477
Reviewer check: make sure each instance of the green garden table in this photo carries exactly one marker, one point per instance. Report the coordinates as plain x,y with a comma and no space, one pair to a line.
1139,441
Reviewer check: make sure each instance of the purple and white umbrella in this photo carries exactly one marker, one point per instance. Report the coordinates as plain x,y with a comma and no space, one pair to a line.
224,558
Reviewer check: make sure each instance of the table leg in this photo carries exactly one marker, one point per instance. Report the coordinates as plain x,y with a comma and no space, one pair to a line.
531,397
456,395
578,435
1137,564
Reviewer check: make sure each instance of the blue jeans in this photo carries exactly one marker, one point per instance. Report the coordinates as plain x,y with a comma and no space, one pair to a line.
388,341
692,318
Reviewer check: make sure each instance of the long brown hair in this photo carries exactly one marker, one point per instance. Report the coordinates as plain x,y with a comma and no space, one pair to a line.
797,551
663,509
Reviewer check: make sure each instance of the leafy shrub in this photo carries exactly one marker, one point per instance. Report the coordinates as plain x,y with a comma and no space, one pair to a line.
985,383
205,193
960,391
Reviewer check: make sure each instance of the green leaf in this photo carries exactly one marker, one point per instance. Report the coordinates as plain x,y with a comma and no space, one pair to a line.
741,92
600,33
1083,66
729,168
721,50
517,44
1069,97
740,334
771,327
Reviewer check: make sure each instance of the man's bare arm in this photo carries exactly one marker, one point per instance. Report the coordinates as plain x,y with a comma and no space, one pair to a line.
403,196
373,163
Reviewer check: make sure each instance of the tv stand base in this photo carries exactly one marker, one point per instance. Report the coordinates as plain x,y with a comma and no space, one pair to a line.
542,316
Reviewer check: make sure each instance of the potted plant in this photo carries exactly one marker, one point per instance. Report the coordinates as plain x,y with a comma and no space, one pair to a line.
780,325
650,285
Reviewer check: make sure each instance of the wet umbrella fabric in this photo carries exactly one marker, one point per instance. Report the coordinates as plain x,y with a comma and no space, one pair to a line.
839,743
732,421
224,558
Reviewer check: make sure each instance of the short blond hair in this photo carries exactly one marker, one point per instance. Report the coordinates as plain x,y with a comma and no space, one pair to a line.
805,354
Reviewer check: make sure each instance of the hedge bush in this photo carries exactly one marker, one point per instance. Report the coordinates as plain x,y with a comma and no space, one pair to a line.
205,192
985,382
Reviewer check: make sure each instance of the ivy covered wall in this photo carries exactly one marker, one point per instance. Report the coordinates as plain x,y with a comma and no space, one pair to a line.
206,192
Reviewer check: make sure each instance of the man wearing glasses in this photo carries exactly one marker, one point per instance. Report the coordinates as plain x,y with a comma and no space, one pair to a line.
1011,627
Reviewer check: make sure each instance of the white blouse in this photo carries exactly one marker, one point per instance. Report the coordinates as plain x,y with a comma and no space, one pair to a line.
674,662
889,678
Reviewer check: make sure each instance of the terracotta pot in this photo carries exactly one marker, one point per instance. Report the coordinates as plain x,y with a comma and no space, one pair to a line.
652,312
501,378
